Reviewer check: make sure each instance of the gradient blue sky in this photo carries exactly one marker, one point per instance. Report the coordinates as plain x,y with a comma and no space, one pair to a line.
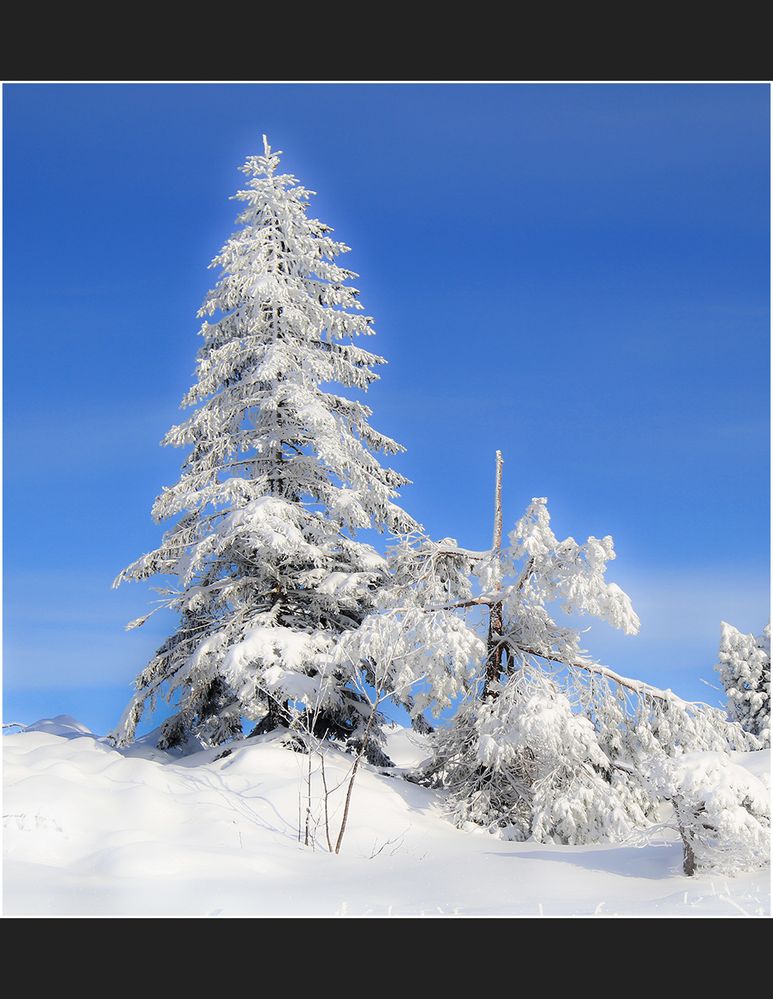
578,275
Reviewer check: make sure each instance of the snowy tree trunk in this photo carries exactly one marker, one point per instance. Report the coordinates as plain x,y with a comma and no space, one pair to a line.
686,834
495,646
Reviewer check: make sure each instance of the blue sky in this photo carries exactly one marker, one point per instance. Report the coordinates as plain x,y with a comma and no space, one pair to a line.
578,275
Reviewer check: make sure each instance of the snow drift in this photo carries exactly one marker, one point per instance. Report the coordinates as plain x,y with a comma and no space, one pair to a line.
94,830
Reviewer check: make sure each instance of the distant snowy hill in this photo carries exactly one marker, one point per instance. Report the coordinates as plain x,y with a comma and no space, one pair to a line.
91,830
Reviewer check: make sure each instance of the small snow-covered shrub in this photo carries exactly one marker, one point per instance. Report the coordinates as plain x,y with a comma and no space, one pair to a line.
721,810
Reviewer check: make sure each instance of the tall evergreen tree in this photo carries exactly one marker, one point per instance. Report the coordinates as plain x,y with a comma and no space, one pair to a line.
280,476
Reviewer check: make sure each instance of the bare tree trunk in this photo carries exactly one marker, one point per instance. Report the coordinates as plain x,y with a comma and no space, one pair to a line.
327,817
360,754
308,799
495,646
688,855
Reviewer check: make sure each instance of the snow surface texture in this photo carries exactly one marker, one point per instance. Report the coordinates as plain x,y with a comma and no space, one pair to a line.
92,830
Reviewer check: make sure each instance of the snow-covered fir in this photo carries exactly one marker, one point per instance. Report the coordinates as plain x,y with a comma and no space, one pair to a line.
744,669
266,570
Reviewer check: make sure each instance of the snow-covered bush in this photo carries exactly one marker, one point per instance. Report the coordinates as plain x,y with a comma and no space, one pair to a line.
568,756
744,669
525,765
721,810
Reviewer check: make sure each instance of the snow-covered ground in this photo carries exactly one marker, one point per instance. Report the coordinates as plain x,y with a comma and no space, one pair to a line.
91,830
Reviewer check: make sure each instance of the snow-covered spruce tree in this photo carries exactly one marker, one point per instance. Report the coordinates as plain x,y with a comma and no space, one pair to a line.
280,476
744,669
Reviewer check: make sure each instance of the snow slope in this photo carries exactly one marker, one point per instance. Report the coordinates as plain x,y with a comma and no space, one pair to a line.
91,830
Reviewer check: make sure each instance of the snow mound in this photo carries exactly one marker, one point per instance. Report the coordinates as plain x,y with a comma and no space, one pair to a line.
404,747
63,725
92,830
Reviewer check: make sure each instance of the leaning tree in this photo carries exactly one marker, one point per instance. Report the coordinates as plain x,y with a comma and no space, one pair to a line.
545,741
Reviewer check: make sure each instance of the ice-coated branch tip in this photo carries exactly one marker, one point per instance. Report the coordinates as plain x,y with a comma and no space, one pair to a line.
266,147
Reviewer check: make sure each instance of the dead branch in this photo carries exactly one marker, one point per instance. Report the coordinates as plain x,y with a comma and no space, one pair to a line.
327,794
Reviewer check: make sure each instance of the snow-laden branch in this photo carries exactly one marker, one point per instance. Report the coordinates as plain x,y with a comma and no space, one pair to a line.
638,687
